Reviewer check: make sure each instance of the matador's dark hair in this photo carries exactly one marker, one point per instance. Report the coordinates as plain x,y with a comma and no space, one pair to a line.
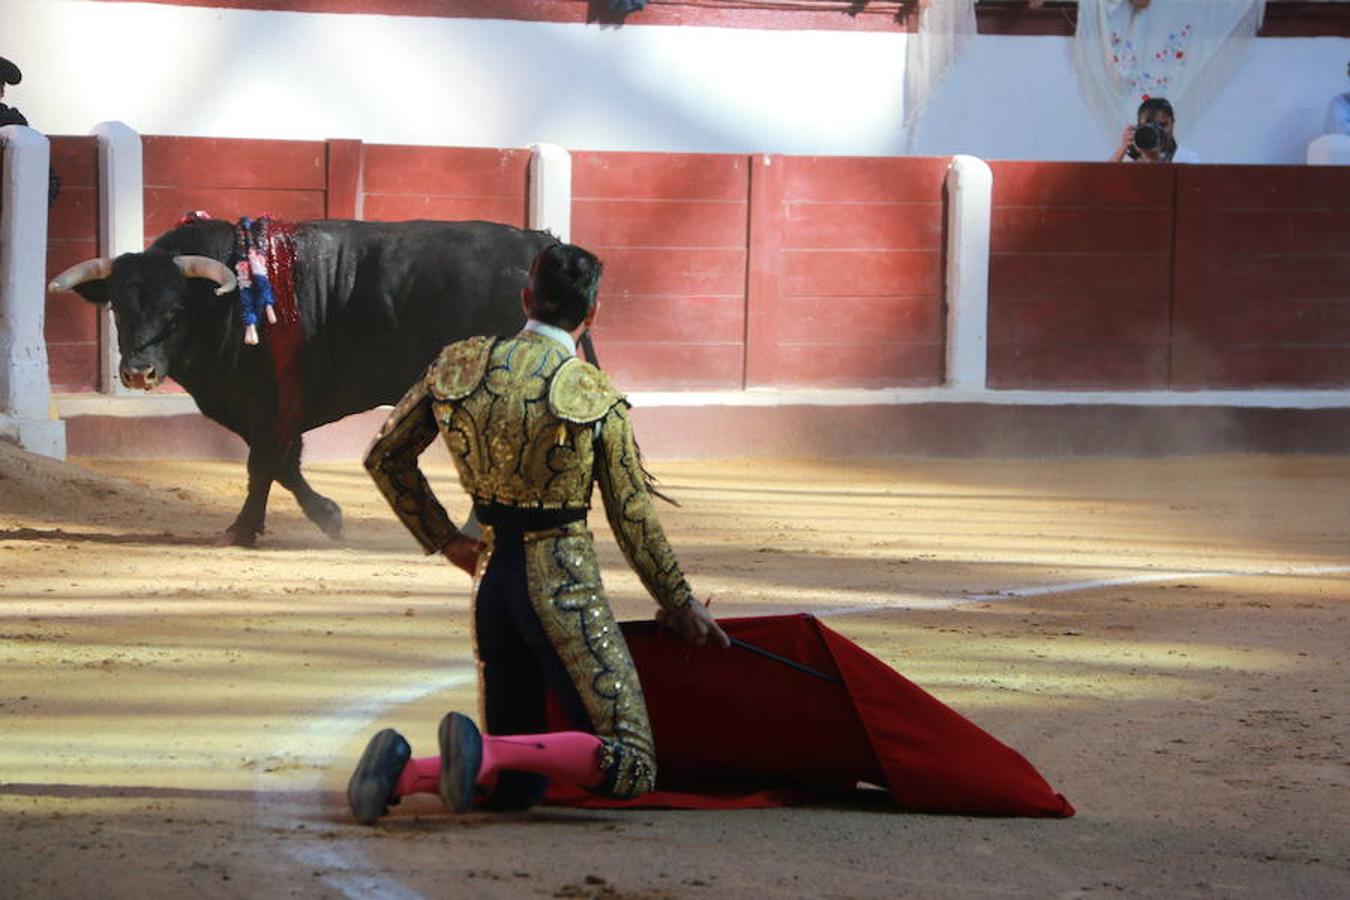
564,280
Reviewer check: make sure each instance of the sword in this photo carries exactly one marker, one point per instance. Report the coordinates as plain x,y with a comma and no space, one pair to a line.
790,663
758,651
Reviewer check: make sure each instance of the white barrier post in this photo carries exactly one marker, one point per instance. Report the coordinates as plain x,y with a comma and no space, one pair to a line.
970,187
25,387
551,190
121,229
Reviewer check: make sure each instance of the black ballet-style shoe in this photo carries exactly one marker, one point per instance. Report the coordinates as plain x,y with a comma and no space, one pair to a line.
370,792
461,756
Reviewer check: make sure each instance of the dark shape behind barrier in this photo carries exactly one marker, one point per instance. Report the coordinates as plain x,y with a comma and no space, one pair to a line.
738,729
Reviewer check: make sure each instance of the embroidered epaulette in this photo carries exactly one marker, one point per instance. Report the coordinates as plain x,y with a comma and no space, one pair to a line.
460,368
581,393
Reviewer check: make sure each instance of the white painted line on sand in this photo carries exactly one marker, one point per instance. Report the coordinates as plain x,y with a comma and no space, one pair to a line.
345,868
1069,587
1152,578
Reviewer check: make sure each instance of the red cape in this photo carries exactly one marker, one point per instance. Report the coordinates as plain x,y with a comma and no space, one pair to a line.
736,729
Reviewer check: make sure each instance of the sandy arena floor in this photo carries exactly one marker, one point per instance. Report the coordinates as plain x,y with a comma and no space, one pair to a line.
1165,640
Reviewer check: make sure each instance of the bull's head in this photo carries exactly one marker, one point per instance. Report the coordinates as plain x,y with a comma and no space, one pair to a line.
148,292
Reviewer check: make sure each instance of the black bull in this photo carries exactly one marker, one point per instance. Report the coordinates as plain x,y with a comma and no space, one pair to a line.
376,300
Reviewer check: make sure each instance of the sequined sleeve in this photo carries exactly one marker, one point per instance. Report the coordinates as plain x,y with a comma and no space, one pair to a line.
392,462
632,517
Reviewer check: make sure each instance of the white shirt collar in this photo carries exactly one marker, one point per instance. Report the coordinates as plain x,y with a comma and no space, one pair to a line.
554,332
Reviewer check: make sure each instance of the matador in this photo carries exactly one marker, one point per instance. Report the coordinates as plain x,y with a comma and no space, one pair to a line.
531,429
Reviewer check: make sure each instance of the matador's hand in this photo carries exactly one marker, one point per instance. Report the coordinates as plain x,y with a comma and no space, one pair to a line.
462,552
695,624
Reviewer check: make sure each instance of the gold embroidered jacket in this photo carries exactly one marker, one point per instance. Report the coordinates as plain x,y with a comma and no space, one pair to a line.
528,425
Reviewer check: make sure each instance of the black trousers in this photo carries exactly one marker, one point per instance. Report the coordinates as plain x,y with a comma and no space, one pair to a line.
519,666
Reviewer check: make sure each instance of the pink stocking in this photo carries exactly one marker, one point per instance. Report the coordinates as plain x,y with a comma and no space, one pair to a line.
420,776
572,757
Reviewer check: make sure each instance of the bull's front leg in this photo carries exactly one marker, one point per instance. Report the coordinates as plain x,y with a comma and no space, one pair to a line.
318,508
262,469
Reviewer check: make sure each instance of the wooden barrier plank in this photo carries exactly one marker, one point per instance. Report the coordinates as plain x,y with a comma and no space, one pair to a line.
164,207
1291,321
233,163
75,159
860,320
405,207
1082,185
611,222
1262,284
852,365
1078,366
655,176
676,318
1242,367
70,319
1044,229
851,179
655,270
764,269
856,273
1268,187
74,216
1083,277
1272,232
71,324
1080,275
664,366
456,171
672,231
1049,322
343,164
858,277
61,255
1263,279
73,367
863,226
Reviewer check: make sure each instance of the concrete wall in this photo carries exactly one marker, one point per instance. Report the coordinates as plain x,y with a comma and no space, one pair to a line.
474,82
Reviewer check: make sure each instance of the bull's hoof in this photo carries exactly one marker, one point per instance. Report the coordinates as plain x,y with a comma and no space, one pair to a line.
238,536
328,516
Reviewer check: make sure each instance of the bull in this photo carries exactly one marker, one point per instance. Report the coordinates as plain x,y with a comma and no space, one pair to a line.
376,302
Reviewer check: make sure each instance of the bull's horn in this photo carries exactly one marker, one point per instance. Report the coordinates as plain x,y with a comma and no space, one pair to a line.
89,270
206,267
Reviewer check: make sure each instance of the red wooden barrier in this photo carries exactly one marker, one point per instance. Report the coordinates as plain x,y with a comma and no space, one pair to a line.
72,235
724,271
846,285
230,178
1080,275
1262,295
671,229
444,183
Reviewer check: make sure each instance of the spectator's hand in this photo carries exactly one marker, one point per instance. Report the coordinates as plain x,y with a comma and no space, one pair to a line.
695,624
1126,140
463,552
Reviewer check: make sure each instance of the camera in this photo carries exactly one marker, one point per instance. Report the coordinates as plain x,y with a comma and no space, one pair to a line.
1149,136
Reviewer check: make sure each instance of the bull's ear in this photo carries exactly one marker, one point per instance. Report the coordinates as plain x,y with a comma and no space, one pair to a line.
94,291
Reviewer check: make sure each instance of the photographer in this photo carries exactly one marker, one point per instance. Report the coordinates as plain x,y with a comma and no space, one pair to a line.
1150,139
10,115
9,74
